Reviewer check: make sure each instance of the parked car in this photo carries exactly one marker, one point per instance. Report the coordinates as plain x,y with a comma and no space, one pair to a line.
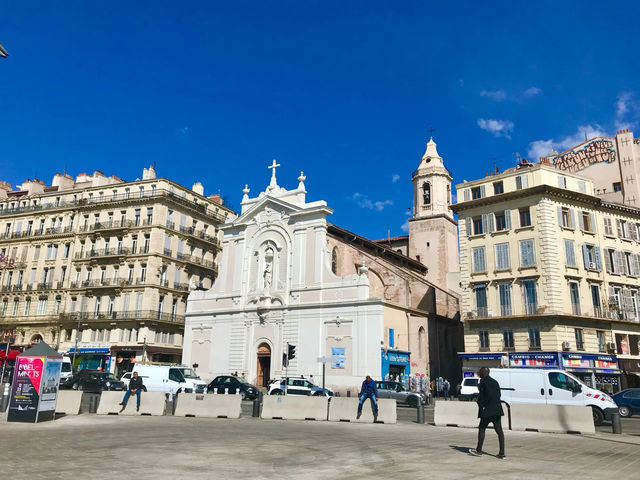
95,381
231,382
298,386
401,394
160,378
628,401
469,388
551,387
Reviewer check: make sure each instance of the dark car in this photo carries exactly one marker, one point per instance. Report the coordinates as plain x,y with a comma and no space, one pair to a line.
95,381
233,383
628,401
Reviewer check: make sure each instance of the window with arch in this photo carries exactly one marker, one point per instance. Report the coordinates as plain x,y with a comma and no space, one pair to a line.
334,260
426,193
422,342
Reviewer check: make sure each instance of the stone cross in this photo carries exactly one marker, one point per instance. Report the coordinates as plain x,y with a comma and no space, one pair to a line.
273,167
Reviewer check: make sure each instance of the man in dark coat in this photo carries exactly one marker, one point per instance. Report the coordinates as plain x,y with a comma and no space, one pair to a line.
369,390
489,411
135,386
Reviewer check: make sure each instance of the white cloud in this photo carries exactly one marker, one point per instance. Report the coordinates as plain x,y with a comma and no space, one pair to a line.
626,107
364,201
532,92
495,95
541,148
395,177
183,132
405,226
499,128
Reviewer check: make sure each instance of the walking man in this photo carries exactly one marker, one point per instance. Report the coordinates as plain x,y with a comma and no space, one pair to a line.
369,390
489,411
135,386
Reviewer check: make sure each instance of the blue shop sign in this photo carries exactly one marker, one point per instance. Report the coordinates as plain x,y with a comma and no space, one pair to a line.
89,350
395,357
534,359
480,356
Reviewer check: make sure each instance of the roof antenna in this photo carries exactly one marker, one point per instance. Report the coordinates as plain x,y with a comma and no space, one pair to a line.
496,170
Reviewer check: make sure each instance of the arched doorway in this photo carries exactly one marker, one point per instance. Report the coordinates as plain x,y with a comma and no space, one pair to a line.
264,365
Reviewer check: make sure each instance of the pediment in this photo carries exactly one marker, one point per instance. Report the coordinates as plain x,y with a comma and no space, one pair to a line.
266,211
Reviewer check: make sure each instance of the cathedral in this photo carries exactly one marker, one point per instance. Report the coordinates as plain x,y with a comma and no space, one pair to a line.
290,279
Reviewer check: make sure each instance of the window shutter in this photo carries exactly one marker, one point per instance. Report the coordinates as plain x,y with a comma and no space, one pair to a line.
492,222
620,232
507,219
468,225
485,223
585,256
607,261
467,195
633,232
627,301
525,183
572,218
580,220
482,191
596,251
518,182
560,215
592,221
619,260
561,182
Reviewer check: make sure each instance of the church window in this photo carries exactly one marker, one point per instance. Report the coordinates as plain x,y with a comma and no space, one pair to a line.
334,261
426,194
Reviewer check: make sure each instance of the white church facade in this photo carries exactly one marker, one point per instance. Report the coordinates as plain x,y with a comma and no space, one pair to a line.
287,276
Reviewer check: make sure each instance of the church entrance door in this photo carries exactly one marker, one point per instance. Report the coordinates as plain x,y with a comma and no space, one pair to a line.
264,365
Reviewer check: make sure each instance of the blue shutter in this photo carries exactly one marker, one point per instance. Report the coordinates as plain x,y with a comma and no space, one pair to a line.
585,256
391,338
507,219
598,258
560,216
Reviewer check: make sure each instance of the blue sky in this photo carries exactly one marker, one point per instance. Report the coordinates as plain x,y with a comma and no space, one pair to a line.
345,91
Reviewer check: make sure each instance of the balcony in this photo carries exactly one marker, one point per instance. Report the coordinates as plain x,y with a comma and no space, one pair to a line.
45,286
102,253
146,315
88,202
110,225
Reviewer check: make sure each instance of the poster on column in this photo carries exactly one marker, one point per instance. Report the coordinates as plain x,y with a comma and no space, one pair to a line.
337,357
25,391
50,384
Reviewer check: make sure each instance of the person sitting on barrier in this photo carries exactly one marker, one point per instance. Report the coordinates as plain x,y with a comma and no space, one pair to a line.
489,411
369,390
135,386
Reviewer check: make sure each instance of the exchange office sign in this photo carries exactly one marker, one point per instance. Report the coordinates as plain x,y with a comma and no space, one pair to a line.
595,151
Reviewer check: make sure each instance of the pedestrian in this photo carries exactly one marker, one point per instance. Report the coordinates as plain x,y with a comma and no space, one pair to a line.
489,411
135,386
370,391
446,386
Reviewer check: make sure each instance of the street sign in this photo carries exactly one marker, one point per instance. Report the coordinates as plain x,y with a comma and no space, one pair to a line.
324,359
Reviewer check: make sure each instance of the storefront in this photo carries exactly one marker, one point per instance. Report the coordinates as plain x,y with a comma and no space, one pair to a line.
395,363
597,371
91,356
630,368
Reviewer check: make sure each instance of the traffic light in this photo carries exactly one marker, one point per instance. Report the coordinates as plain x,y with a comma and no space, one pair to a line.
291,351
285,360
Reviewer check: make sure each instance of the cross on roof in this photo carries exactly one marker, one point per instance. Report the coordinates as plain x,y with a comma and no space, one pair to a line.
431,130
273,167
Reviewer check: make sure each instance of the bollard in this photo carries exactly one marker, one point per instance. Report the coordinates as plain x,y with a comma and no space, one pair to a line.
237,391
256,405
4,402
420,412
348,393
215,390
616,426
226,391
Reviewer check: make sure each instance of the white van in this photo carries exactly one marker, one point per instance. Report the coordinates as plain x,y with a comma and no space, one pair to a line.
553,387
159,378
195,383
66,372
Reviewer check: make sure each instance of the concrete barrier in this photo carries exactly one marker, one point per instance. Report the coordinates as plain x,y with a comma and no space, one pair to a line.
289,407
345,409
207,405
152,403
552,418
457,414
68,402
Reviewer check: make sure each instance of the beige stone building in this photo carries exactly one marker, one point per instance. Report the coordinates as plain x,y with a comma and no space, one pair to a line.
550,273
101,268
612,163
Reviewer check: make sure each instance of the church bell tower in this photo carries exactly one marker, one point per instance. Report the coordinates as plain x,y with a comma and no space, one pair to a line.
433,238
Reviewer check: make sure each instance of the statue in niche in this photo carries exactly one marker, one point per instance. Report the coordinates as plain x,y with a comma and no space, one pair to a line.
268,268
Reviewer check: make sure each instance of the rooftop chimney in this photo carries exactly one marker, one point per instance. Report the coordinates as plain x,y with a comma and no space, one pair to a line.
149,173
198,188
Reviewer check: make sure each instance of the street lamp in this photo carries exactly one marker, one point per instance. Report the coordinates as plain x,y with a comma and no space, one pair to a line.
75,350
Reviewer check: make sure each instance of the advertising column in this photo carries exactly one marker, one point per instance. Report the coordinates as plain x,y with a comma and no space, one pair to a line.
25,391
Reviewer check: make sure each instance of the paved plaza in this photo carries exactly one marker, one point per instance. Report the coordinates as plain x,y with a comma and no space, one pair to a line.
101,447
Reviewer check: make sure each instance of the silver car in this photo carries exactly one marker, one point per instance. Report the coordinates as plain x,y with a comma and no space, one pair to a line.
400,393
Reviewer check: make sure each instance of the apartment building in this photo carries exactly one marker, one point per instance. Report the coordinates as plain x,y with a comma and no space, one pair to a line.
101,268
550,273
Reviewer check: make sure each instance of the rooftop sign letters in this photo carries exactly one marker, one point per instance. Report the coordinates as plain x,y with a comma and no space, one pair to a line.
594,151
